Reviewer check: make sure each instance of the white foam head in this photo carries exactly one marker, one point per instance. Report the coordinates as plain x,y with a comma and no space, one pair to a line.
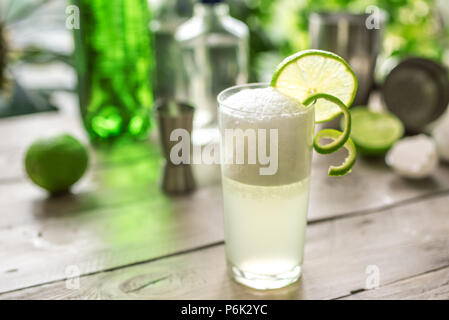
267,108
263,101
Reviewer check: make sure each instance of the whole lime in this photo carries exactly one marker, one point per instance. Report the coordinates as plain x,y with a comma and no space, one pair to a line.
374,133
56,163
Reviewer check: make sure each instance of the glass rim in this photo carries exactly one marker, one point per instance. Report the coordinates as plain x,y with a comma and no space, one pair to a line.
240,87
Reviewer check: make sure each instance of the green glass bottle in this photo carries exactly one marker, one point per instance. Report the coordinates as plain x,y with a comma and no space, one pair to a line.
114,58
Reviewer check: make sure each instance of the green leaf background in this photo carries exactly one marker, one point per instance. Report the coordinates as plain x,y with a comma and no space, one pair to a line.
279,28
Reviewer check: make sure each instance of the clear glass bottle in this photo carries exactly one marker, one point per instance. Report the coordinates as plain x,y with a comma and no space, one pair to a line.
168,16
214,50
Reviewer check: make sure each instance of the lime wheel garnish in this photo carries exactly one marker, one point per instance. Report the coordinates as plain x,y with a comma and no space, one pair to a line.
326,80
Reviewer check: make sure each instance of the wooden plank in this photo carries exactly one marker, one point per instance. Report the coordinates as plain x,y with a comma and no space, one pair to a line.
109,190
20,132
402,242
103,188
106,238
370,186
431,285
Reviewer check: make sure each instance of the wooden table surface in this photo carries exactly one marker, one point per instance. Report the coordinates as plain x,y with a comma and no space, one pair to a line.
127,240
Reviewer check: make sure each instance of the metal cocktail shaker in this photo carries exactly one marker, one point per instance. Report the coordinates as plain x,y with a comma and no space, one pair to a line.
355,39
417,91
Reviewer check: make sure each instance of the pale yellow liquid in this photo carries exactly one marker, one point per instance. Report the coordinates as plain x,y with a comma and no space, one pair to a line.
265,226
265,215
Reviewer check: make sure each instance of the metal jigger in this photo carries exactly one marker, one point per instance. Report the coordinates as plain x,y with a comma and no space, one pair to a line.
171,115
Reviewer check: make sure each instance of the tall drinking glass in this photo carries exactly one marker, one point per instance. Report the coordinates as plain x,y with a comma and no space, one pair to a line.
265,199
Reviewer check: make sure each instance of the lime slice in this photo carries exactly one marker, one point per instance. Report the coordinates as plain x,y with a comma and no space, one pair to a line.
316,71
374,133
345,168
339,141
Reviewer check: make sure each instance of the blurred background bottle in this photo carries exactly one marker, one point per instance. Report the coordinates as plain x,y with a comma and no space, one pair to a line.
114,62
168,15
214,50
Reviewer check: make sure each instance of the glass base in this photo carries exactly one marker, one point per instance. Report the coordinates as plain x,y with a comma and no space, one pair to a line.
263,281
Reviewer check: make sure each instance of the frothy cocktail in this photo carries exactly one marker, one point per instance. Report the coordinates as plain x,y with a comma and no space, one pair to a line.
265,213
267,135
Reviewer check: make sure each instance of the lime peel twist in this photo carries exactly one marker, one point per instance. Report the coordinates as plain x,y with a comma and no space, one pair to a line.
346,166
343,137
340,139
